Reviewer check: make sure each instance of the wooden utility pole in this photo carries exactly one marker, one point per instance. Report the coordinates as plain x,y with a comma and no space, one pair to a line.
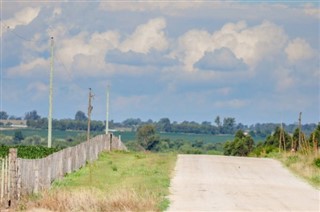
300,135
282,142
89,114
107,110
50,98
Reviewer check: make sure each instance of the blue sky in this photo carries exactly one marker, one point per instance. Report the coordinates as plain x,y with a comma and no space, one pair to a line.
256,61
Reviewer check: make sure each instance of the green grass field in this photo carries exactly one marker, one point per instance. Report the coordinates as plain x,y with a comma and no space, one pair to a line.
129,136
206,138
58,134
117,181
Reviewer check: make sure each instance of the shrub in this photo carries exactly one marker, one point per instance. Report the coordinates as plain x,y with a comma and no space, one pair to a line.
317,162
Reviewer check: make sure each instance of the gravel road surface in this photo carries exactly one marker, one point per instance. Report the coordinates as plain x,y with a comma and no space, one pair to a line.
220,183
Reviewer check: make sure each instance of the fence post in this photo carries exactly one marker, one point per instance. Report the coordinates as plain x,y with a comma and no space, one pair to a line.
13,176
18,179
110,141
36,178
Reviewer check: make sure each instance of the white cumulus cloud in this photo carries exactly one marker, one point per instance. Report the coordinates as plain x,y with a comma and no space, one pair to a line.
299,49
250,44
149,5
146,37
35,67
23,17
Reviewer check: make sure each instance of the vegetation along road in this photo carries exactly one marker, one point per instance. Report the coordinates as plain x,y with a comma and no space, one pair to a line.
216,183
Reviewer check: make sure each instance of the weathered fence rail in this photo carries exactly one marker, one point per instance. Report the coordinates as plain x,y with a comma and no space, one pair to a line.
31,175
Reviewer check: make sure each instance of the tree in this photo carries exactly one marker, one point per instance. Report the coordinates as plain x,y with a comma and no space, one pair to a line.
80,116
315,138
217,121
146,136
32,115
164,125
18,137
228,125
3,115
273,140
242,145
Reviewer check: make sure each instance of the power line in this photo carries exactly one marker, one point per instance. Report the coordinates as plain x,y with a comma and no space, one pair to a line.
14,33
33,41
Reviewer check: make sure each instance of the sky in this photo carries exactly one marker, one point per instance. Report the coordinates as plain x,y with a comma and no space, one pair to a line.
256,61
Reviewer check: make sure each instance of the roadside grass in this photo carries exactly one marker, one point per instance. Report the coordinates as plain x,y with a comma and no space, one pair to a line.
301,165
117,181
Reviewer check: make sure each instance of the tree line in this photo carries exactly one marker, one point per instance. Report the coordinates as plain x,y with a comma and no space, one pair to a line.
242,145
226,125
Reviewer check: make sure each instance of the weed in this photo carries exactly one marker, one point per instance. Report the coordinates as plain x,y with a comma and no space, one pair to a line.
140,156
291,160
164,204
114,168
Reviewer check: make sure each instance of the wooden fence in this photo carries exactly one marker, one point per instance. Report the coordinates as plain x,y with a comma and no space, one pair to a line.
21,176
4,192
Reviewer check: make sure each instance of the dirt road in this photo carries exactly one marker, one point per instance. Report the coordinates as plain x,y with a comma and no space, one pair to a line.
219,183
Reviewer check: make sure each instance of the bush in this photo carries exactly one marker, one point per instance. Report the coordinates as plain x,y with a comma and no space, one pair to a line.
317,162
28,152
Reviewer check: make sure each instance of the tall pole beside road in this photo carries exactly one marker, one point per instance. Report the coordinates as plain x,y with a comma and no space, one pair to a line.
50,98
107,110
89,114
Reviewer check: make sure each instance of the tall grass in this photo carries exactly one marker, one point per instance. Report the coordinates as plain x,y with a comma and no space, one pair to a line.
302,165
117,181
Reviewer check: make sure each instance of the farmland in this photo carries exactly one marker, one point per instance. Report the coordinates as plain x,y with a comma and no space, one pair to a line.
129,136
58,134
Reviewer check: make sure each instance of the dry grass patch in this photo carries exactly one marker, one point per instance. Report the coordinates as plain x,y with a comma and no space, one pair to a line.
302,165
92,200
117,181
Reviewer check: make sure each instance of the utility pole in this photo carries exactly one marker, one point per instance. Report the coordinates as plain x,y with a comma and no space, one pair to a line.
300,130
89,114
282,140
107,111
50,98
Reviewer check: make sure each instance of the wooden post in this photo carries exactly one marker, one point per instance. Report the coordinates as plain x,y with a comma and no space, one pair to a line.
2,180
315,143
110,141
36,178
13,176
18,181
300,135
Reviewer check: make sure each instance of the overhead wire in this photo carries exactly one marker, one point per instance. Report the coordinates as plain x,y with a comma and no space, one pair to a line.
34,41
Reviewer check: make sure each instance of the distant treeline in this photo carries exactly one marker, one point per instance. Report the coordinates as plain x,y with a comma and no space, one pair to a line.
226,125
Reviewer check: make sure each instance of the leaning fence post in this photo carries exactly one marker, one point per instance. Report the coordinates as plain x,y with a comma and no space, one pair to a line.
13,175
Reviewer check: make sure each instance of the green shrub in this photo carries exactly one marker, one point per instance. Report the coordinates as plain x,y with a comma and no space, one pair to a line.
114,168
317,162
291,160
28,152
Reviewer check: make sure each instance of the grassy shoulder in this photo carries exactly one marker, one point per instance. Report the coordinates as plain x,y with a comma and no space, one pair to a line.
117,181
306,166
302,165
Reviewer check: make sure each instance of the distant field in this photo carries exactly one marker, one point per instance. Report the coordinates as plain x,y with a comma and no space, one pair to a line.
58,134
206,138
128,136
